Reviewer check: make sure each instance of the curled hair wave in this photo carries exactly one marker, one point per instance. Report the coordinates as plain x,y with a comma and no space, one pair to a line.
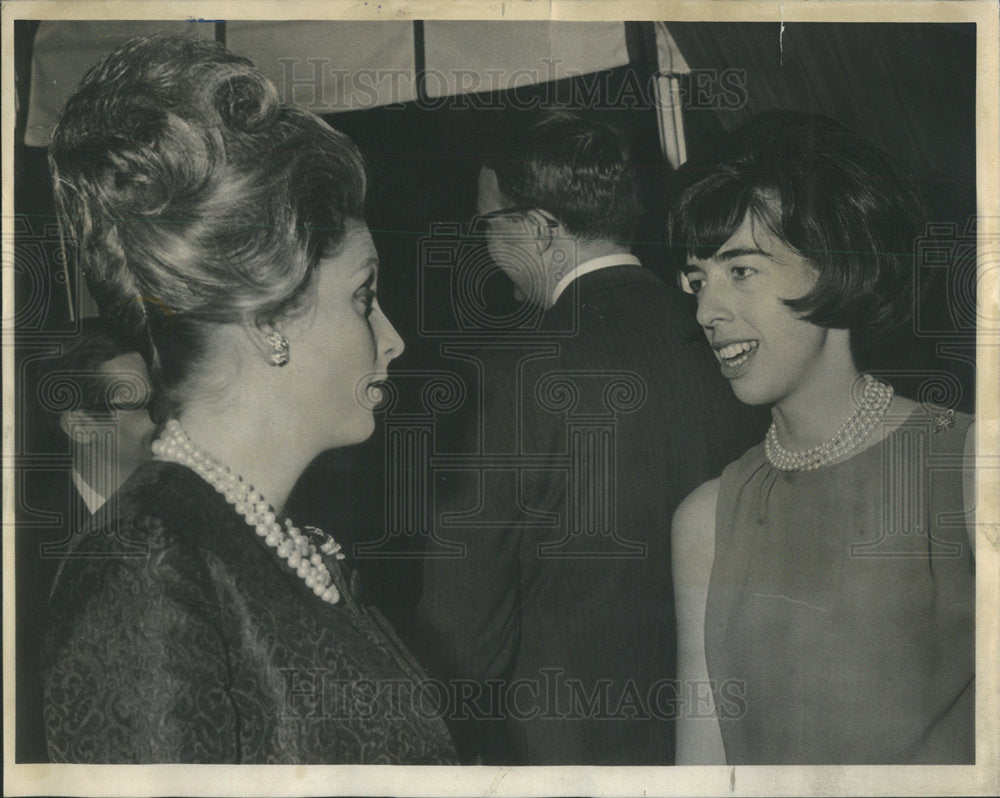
191,196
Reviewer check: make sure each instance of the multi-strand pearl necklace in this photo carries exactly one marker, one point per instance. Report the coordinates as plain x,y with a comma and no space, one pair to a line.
290,543
876,396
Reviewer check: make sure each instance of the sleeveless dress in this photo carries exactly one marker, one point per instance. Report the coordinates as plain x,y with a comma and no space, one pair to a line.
839,624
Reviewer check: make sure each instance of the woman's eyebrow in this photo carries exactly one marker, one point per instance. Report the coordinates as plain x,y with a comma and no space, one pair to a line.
739,252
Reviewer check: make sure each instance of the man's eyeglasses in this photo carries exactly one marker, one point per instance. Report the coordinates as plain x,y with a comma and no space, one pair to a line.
103,396
479,224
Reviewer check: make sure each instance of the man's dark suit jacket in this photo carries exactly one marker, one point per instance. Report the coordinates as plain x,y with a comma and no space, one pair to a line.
556,628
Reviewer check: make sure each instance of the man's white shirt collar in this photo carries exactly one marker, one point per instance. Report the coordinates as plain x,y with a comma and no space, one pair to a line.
90,497
592,265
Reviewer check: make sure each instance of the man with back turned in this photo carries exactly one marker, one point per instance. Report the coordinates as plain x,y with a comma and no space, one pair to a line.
555,627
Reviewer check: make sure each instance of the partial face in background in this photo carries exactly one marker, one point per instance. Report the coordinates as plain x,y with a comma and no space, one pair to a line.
341,346
112,438
764,349
510,243
135,428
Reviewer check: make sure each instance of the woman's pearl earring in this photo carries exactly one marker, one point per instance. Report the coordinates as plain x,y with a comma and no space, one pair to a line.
279,348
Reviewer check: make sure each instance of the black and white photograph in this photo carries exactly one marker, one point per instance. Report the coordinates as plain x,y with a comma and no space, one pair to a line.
515,399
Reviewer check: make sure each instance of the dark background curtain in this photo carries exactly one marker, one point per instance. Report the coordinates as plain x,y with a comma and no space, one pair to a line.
910,88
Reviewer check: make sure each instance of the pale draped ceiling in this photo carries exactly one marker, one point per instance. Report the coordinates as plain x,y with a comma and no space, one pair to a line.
909,87
341,66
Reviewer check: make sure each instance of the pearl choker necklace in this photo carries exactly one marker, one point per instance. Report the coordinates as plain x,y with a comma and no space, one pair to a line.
876,396
291,544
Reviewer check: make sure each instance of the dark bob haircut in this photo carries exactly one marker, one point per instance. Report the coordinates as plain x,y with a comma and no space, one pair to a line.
190,196
829,194
574,167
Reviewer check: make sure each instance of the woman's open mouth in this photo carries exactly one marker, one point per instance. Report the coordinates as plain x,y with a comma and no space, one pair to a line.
734,356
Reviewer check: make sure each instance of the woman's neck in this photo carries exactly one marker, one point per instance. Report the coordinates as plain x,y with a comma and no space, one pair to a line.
817,410
252,443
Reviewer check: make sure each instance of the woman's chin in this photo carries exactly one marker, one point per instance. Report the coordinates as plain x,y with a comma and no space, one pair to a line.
749,394
364,429
357,431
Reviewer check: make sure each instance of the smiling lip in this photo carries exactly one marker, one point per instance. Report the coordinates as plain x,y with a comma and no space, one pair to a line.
734,356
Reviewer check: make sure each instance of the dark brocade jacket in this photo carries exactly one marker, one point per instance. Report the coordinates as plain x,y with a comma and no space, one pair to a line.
177,635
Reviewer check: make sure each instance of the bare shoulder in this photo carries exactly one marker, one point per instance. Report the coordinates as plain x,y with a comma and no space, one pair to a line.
693,537
696,514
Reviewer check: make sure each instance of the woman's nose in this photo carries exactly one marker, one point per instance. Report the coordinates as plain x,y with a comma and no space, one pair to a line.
713,306
390,344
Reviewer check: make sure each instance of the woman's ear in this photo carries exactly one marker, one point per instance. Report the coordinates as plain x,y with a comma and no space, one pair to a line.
269,341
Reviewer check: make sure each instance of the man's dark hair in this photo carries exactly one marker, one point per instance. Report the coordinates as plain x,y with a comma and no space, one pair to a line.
81,382
572,166
828,193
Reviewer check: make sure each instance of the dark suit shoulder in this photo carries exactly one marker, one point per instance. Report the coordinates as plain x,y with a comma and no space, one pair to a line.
624,298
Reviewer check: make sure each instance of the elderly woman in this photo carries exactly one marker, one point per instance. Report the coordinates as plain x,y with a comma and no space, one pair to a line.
825,583
197,623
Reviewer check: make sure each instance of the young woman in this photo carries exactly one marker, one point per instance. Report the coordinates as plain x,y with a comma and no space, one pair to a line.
825,582
196,623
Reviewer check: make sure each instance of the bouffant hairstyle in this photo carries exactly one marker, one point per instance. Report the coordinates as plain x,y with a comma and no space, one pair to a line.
572,166
190,196
835,198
